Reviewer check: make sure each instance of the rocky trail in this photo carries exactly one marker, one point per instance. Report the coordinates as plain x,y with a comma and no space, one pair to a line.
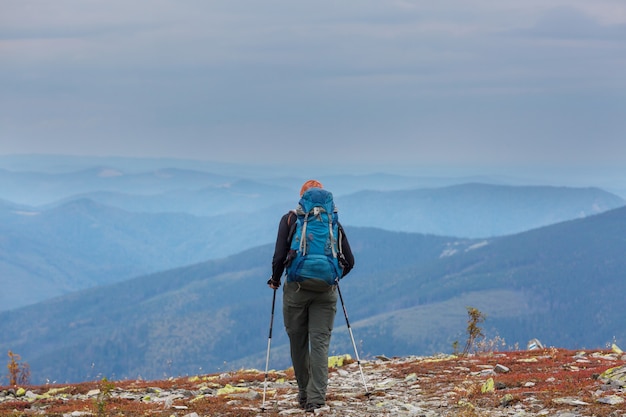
540,382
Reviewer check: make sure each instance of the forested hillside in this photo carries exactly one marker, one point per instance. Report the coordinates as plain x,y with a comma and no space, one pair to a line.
407,295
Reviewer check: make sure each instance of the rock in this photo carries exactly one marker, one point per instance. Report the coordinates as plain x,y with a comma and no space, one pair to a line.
534,344
605,356
488,386
614,376
229,389
293,411
507,400
29,395
338,361
400,387
93,393
611,399
501,369
248,395
569,401
411,377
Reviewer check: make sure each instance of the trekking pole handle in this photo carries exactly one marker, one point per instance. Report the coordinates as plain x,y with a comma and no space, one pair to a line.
272,315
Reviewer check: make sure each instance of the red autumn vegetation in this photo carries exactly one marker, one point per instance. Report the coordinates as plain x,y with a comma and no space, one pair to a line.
544,374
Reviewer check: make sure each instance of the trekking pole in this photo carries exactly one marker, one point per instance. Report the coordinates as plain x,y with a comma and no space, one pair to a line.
269,343
356,353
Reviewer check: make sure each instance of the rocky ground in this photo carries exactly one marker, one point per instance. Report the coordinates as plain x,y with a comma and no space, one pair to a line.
541,382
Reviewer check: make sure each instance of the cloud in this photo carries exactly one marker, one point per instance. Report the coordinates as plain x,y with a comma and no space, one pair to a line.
572,23
475,81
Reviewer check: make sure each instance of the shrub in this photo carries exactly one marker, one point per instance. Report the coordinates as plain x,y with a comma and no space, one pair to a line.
19,373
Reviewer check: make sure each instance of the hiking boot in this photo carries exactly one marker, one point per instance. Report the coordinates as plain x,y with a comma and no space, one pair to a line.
302,402
310,408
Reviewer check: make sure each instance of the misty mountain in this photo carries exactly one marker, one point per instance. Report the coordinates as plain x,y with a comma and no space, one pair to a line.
239,196
41,180
474,210
407,295
83,243
37,188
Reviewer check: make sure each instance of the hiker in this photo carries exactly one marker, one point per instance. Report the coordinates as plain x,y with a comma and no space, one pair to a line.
310,298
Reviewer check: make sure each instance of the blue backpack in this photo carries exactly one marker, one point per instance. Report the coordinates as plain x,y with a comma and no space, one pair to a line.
315,243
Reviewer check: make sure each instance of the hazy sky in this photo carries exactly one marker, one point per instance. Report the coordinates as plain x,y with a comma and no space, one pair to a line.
386,83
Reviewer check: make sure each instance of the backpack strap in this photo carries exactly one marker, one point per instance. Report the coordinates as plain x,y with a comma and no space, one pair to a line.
291,216
331,235
303,235
292,219
340,239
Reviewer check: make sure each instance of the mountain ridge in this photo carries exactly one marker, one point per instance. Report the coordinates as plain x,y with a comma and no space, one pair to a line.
558,283
91,243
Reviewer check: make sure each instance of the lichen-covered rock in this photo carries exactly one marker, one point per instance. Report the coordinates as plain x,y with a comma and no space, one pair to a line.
614,376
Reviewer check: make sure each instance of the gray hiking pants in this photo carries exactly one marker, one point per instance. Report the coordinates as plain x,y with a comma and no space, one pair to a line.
309,318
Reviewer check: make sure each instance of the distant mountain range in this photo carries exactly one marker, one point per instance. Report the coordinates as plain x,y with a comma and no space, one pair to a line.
473,210
126,267
408,294
73,225
46,252
83,244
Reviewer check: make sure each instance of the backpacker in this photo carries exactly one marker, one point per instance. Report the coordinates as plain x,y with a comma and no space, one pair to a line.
313,259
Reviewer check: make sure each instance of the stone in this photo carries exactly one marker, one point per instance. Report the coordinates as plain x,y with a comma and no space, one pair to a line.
488,386
399,387
411,377
93,393
614,376
338,361
501,369
30,395
290,412
569,401
611,400
229,389
507,400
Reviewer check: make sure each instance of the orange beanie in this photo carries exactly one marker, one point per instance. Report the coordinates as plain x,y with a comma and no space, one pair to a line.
310,184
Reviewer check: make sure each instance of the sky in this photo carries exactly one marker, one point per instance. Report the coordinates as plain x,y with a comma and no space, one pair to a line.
476,84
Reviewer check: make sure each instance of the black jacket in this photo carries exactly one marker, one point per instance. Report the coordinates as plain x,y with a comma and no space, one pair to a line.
283,244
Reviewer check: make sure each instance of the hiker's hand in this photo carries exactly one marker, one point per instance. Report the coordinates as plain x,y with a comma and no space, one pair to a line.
273,284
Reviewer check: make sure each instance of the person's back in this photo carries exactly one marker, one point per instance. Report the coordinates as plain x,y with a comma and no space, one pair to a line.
313,247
